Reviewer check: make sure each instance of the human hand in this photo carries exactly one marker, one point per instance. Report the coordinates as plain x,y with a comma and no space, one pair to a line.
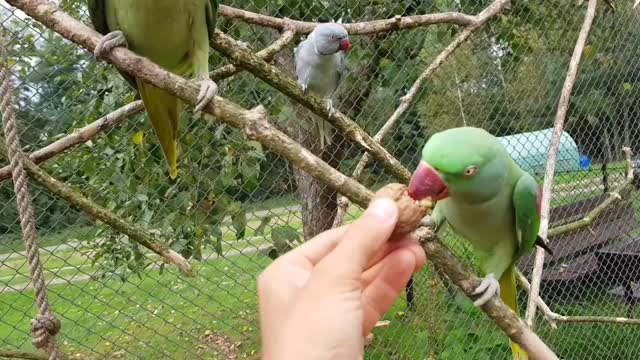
321,299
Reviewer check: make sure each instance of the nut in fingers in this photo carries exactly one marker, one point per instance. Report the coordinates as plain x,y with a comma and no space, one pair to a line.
410,212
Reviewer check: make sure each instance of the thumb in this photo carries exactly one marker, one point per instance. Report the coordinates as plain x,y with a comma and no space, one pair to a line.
364,238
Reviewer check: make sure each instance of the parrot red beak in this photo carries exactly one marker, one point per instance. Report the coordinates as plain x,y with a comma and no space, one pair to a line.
344,45
427,182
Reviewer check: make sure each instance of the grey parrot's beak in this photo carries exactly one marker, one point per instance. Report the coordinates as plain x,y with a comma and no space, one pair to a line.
344,45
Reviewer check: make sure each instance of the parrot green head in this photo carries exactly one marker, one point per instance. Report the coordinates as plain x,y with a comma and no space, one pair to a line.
465,163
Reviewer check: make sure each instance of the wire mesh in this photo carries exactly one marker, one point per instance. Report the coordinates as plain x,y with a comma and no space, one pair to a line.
235,204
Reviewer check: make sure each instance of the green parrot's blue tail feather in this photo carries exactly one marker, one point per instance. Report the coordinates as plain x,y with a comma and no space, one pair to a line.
508,295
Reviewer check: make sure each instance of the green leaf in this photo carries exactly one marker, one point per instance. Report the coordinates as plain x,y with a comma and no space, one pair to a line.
283,237
218,246
263,224
239,223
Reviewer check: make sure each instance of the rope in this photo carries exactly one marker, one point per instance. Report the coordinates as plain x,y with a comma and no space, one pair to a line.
44,327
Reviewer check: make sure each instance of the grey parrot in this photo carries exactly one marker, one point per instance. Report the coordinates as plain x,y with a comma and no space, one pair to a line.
320,68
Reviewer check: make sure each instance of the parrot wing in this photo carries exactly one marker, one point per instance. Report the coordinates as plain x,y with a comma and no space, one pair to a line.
342,69
302,65
211,13
98,15
526,202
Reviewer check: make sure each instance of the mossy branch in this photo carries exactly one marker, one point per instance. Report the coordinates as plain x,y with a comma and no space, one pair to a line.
134,232
285,84
255,124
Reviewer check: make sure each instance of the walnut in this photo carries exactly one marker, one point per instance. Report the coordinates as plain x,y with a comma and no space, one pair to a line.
410,211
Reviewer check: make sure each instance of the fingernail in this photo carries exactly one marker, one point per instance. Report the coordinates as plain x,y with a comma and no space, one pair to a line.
383,208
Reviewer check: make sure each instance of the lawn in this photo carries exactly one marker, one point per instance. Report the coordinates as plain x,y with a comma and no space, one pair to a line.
167,316
158,316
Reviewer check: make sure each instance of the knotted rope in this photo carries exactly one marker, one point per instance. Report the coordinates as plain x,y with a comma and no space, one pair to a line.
44,327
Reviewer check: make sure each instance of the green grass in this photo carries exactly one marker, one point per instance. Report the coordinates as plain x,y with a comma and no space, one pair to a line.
12,242
594,172
158,316
451,329
167,316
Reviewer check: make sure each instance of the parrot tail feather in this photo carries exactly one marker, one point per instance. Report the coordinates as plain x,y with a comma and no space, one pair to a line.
508,294
163,110
322,130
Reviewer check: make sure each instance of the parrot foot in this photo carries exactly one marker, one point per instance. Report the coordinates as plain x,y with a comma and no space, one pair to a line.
329,104
488,287
304,88
428,222
208,91
109,42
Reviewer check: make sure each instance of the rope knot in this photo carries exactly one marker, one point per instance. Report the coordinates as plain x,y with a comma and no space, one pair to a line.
43,329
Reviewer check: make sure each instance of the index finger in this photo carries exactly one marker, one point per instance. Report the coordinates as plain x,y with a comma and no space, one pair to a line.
317,247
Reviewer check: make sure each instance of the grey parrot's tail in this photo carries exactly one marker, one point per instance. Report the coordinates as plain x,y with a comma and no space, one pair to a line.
322,130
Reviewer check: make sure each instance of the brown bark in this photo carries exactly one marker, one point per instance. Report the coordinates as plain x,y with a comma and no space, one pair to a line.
362,28
558,125
256,126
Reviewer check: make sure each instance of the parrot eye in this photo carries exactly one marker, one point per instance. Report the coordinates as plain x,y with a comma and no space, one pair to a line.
470,171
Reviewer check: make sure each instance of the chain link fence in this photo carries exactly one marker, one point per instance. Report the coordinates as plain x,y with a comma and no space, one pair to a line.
235,205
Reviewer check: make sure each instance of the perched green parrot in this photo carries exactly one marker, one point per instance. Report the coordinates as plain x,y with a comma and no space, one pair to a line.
486,198
174,34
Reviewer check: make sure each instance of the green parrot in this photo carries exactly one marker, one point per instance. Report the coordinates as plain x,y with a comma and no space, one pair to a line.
174,34
485,197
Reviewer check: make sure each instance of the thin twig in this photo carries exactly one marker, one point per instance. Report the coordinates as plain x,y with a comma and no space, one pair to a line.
256,126
267,54
361,28
405,102
80,136
563,105
19,354
505,318
118,116
285,84
76,199
555,318
592,215
548,314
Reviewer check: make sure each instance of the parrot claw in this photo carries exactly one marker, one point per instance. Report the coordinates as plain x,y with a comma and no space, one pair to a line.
428,222
208,91
109,42
488,287
304,88
329,105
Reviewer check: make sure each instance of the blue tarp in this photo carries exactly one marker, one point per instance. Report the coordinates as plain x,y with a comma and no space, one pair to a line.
529,150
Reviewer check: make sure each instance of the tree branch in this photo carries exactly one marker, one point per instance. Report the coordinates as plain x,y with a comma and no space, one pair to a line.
80,136
503,316
563,105
19,354
285,84
255,124
489,12
267,54
361,28
592,215
118,116
555,318
134,232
